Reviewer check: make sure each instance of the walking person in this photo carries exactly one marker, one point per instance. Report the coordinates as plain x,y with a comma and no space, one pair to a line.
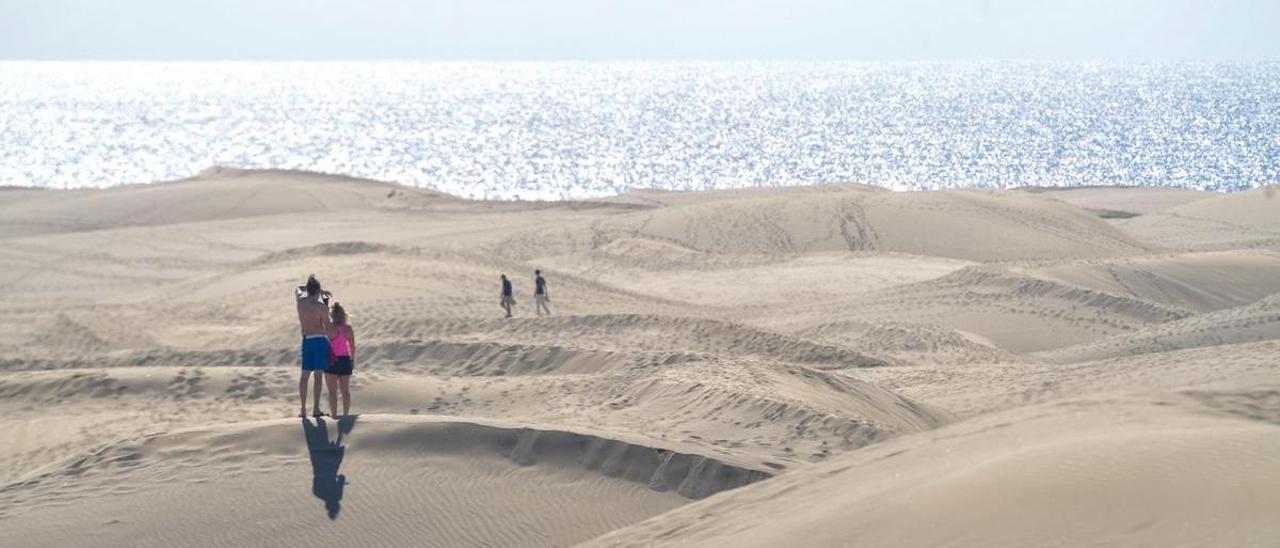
508,300
313,317
540,297
338,376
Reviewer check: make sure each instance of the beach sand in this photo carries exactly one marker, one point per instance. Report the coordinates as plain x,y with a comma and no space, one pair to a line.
814,366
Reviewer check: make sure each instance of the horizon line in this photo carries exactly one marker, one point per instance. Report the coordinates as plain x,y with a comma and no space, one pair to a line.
530,60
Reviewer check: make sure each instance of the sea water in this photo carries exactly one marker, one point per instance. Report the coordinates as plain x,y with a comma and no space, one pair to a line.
571,130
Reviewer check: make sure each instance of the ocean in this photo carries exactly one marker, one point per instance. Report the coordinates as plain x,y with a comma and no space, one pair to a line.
575,130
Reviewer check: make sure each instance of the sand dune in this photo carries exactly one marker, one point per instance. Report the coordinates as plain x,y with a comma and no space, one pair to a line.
1195,282
1015,312
811,366
221,193
428,482
1246,220
980,389
1071,474
637,332
910,342
961,225
783,412
1259,321
761,280
1121,202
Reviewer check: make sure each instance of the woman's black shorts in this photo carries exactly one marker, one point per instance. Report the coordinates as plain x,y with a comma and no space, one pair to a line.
341,366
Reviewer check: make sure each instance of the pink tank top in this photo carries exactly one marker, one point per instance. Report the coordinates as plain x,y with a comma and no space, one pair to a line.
341,346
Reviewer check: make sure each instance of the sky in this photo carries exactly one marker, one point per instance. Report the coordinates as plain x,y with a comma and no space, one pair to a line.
870,30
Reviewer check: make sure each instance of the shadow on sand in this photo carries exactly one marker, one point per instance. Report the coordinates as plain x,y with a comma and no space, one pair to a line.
326,457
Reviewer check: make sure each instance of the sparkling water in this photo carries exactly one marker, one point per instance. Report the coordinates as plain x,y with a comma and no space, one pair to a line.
569,130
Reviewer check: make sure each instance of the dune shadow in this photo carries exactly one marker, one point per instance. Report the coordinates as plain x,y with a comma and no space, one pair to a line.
326,460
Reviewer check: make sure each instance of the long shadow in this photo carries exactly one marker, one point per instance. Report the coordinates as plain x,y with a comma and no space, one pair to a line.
326,458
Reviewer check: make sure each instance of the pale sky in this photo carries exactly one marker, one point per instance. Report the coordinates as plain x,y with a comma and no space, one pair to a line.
641,29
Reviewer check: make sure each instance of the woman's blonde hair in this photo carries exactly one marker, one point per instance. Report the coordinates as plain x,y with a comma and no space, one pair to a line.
339,314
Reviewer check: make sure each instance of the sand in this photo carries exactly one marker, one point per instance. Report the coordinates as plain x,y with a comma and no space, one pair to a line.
820,366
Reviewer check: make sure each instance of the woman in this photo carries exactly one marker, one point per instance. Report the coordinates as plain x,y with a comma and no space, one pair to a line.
338,376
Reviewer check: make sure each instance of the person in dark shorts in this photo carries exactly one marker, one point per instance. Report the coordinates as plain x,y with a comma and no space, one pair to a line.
338,375
508,300
540,298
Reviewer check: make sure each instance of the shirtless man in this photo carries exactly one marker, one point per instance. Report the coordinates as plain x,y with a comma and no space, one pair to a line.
313,316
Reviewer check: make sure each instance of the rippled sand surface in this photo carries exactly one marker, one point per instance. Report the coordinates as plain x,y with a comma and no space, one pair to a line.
811,366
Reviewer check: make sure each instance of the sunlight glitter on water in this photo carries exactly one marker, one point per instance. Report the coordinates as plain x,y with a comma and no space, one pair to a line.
571,130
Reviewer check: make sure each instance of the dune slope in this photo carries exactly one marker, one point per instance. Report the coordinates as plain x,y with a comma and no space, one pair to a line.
220,193
1247,220
371,480
1072,474
961,225
1196,282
